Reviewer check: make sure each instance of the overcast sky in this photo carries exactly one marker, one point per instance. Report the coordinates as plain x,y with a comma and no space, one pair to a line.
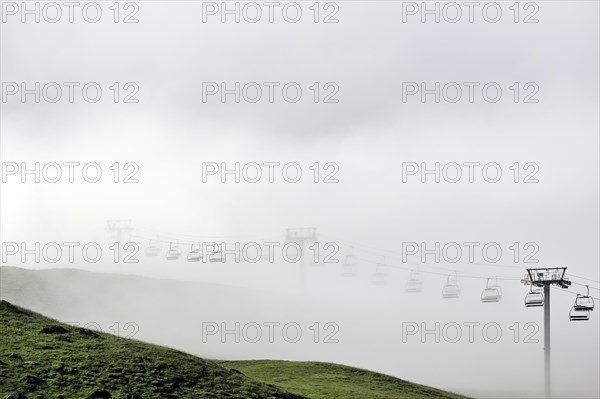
372,129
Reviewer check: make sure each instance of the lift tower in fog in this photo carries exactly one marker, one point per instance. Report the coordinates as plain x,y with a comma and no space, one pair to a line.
301,236
543,279
118,227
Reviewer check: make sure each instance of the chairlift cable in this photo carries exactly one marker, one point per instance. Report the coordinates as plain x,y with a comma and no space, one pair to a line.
585,285
160,238
572,292
583,278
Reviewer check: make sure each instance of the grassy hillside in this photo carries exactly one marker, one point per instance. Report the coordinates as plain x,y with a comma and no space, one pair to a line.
333,381
166,312
43,358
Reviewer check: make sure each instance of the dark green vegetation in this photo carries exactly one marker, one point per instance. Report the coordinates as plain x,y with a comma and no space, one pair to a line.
333,381
43,358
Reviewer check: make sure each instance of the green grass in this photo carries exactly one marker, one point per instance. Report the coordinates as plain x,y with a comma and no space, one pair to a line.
74,365
333,381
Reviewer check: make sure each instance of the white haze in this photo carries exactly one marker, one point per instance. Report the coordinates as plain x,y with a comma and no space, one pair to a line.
368,134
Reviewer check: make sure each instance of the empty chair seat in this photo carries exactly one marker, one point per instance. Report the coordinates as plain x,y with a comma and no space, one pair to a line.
491,292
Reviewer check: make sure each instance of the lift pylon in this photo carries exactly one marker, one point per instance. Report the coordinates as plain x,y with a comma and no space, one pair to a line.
545,278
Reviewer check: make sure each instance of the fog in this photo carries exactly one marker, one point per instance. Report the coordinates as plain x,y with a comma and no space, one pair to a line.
375,210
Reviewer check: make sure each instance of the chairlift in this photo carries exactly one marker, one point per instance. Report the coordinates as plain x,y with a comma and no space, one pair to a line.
584,302
451,288
534,298
173,253
216,255
153,249
195,255
382,272
414,282
349,266
579,314
491,292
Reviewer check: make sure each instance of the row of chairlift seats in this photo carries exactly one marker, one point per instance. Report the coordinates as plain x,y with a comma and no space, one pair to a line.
380,277
491,293
195,254
580,311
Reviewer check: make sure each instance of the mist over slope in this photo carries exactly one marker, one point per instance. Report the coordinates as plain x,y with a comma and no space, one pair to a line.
350,325
40,357
168,312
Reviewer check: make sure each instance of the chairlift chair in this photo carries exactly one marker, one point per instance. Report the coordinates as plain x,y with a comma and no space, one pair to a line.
173,253
534,298
216,255
414,282
380,277
349,266
584,302
451,288
152,249
579,314
491,292
195,255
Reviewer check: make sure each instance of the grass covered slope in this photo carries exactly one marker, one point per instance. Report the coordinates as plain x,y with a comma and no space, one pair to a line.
333,381
42,358
45,359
